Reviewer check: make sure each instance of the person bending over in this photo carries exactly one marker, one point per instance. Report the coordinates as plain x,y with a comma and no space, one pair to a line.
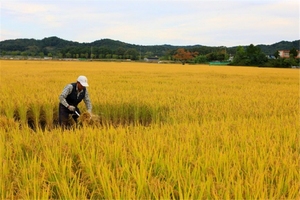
69,99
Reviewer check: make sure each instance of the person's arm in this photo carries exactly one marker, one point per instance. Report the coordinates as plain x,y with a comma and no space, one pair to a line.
87,101
66,91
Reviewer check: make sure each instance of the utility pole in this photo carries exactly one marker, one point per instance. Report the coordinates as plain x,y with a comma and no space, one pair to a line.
140,54
91,53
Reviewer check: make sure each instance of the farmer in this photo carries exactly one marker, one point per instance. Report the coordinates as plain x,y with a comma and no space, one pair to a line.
69,99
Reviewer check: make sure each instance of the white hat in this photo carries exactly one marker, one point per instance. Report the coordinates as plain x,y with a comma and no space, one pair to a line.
83,81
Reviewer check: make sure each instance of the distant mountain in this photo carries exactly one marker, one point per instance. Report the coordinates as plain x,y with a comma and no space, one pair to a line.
27,44
283,45
112,44
55,45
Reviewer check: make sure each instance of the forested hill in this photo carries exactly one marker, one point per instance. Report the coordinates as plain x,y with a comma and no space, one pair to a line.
56,46
283,45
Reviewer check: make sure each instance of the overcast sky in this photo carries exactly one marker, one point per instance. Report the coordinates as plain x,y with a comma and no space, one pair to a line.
153,22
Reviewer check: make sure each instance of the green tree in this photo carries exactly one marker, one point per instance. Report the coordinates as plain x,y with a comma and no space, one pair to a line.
216,56
200,59
148,54
120,52
276,54
103,51
24,54
131,54
289,62
240,56
293,53
15,53
252,56
68,55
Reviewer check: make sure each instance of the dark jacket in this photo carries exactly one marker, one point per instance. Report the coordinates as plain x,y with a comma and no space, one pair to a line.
72,98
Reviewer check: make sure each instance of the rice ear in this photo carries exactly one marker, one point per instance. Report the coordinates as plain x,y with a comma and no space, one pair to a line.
88,119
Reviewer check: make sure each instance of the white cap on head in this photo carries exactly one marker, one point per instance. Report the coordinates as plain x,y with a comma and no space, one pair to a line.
83,81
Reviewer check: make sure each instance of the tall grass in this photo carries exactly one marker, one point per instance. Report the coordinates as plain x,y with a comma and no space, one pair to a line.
150,162
168,131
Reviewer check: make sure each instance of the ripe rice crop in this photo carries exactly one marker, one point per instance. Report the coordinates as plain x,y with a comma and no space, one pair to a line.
161,131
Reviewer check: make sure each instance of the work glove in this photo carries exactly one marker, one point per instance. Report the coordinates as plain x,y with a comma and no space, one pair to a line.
71,108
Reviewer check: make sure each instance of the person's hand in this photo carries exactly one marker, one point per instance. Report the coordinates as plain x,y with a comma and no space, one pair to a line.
71,108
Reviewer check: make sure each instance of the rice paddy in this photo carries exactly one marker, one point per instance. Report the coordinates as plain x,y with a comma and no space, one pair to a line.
164,131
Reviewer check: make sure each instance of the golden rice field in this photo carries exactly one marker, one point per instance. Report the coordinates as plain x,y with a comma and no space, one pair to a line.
167,132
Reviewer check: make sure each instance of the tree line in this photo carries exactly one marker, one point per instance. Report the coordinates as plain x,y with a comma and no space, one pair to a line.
110,49
253,56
